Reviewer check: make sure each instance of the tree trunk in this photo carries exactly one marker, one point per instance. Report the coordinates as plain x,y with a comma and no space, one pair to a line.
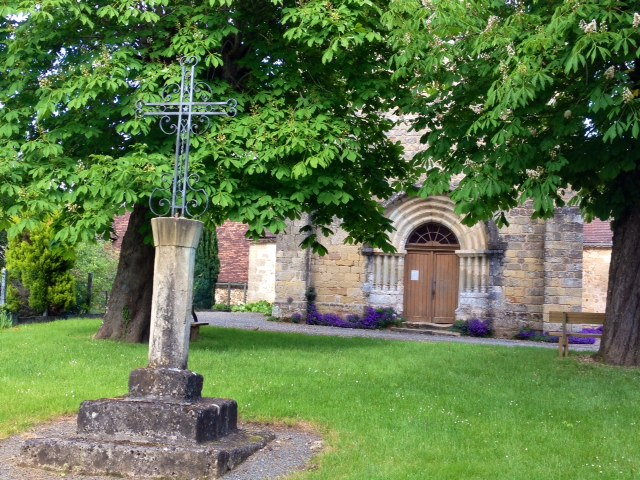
621,339
128,316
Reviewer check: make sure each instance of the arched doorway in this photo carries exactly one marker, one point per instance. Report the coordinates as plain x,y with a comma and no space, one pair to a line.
431,274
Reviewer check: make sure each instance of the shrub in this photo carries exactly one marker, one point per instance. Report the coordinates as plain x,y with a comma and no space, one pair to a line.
41,268
460,326
221,307
258,307
474,327
207,267
480,328
6,319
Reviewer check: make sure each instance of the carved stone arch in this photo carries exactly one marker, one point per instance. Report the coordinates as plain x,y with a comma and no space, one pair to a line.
409,213
388,275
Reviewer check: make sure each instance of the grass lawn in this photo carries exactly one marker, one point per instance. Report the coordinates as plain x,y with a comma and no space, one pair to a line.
388,410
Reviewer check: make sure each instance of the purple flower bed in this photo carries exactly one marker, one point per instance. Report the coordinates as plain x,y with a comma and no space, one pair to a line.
527,333
372,318
480,328
474,327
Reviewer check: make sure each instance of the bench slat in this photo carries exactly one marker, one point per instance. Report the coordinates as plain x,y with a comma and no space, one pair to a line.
577,317
577,334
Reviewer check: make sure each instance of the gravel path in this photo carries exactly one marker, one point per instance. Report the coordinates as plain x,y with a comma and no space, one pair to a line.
292,449
257,321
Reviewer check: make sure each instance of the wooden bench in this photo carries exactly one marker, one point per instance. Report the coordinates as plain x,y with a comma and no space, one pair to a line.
572,318
195,330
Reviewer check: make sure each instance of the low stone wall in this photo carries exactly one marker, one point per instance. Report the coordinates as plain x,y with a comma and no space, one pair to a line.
595,279
231,293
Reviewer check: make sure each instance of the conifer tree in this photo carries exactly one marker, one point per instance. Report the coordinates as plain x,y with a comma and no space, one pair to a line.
206,270
40,270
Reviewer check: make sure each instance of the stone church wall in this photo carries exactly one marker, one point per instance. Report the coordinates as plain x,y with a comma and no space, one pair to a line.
595,278
541,268
336,278
262,271
292,271
525,269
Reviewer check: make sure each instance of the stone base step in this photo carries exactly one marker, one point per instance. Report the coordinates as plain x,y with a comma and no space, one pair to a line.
427,331
91,456
427,325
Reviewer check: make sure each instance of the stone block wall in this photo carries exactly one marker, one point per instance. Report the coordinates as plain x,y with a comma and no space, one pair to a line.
410,139
337,277
292,271
262,271
539,269
595,278
564,240
519,275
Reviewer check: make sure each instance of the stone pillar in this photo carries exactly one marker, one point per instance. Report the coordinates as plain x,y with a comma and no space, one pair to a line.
175,240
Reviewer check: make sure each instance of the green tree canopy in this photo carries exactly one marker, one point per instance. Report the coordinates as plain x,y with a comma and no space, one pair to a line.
311,80
528,101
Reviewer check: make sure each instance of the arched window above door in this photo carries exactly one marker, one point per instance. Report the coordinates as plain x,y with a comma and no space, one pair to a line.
432,234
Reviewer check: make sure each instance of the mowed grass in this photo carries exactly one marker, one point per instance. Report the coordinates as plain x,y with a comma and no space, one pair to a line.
388,410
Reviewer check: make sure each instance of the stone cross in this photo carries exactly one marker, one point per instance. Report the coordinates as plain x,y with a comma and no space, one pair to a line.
164,428
184,111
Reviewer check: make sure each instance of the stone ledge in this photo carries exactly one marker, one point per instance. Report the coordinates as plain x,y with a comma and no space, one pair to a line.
165,383
83,455
175,421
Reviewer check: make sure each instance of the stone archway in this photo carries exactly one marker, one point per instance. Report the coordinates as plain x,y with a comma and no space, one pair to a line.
386,279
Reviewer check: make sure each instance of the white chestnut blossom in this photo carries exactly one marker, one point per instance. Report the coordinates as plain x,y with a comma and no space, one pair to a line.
636,20
610,72
493,20
627,95
591,27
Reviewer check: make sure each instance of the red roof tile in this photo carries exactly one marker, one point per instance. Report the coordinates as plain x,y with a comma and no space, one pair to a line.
598,233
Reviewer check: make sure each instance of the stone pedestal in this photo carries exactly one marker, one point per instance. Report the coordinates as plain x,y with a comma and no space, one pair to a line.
163,428
176,240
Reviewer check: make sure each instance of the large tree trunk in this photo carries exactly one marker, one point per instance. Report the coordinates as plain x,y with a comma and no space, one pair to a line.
621,339
128,316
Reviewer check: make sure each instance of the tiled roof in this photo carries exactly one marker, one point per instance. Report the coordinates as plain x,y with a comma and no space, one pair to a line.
598,233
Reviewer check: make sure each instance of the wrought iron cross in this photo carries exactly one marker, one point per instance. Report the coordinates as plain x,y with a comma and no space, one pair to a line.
185,111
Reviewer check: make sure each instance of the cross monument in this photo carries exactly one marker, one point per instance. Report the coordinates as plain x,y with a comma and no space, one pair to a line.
163,428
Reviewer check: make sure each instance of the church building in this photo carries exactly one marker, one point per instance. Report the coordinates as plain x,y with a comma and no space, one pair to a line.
444,271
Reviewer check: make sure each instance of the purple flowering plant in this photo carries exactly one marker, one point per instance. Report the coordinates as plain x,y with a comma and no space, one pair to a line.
474,327
528,333
372,319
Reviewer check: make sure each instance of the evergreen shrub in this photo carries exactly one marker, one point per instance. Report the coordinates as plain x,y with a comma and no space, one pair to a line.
40,278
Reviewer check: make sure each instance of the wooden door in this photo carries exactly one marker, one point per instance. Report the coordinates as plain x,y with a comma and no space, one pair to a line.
431,286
